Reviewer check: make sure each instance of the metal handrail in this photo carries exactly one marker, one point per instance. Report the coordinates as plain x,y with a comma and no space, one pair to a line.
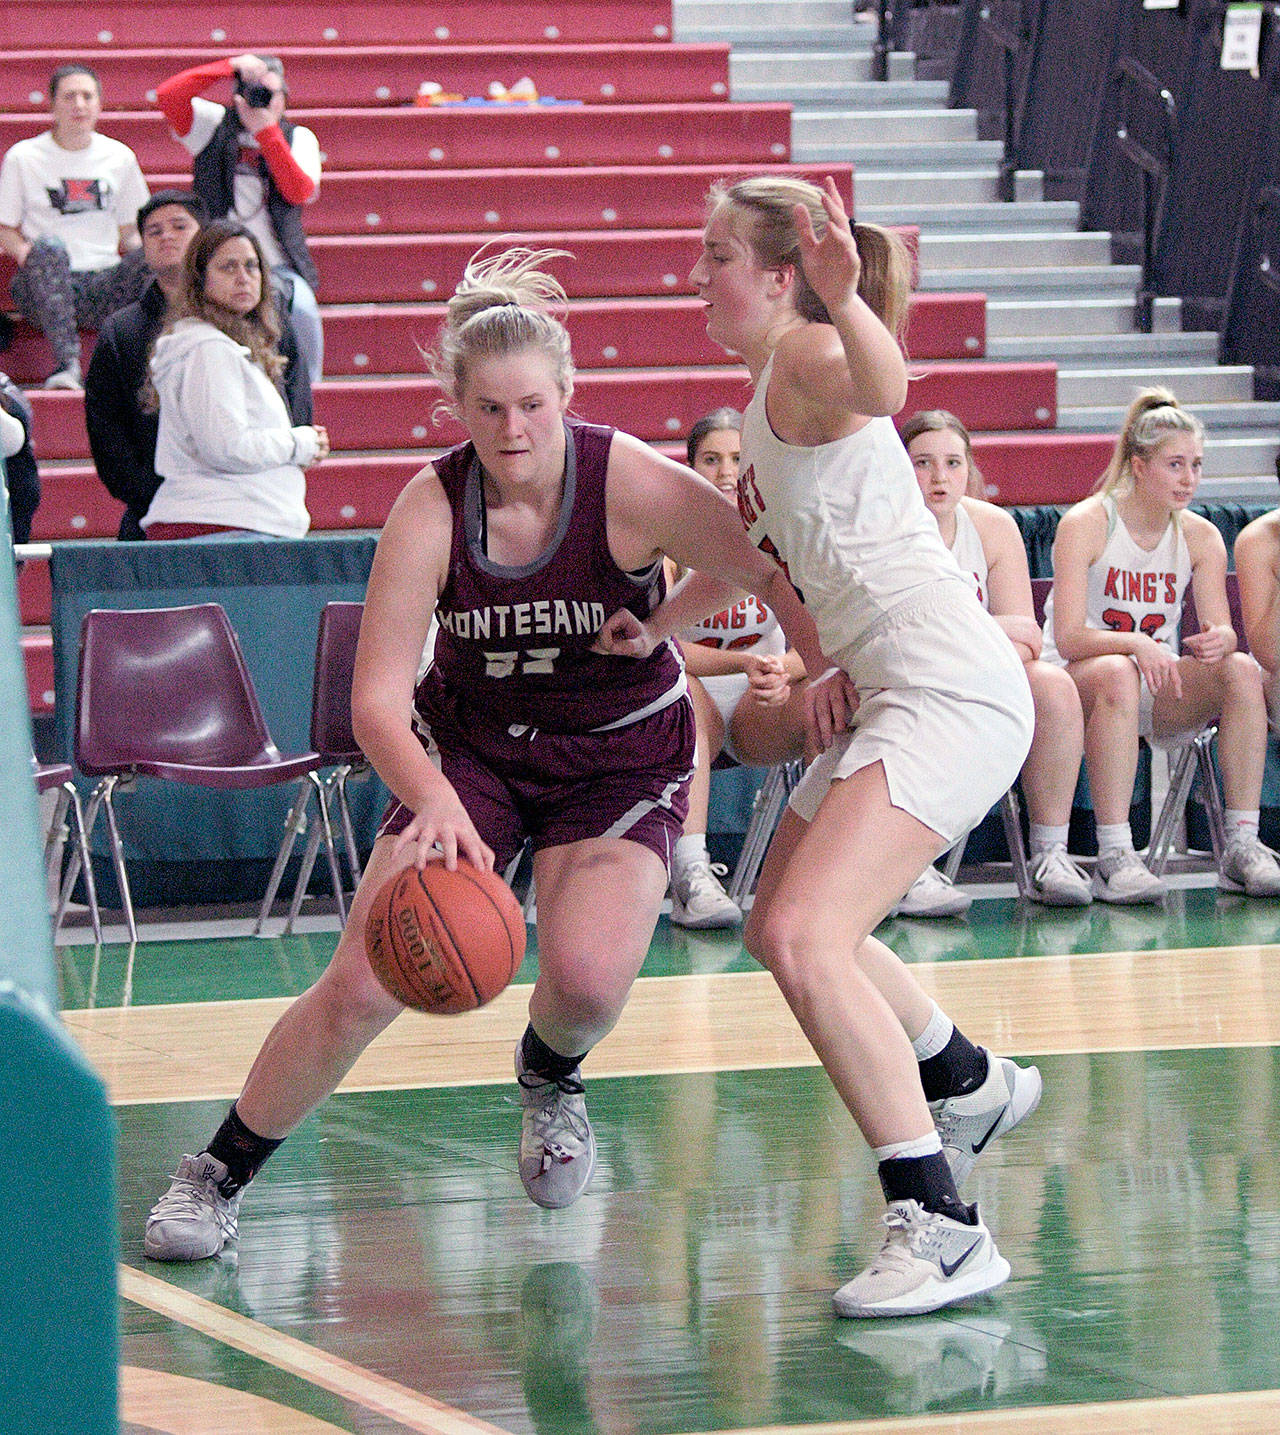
1153,168
1010,46
887,24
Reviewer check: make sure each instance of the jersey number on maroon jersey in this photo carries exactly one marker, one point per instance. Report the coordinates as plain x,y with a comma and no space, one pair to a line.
534,661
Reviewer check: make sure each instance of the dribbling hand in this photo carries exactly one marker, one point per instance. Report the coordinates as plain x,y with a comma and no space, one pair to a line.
441,824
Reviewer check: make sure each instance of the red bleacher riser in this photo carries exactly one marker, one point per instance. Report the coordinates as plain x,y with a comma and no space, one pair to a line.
989,395
248,24
616,74
416,138
35,595
947,326
497,200
74,504
37,656
1036,468
654,404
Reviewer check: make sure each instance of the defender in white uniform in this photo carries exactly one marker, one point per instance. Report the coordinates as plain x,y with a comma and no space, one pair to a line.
920,672
1122,562
985,542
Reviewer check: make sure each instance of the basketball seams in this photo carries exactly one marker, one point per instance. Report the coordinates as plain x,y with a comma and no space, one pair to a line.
478,886
456,946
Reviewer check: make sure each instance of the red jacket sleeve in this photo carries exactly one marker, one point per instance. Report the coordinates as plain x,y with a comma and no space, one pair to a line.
291,179
174,96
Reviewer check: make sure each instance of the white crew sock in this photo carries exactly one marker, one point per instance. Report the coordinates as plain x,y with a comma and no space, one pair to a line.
1043,837
1115,835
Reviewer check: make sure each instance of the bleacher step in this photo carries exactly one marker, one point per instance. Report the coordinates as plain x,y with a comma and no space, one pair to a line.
1083,281
1014,251
939,154
1247,419
1104,350
1043,317
829,66
1205,386
1041,216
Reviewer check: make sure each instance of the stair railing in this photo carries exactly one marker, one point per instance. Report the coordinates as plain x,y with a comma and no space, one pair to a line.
1132,80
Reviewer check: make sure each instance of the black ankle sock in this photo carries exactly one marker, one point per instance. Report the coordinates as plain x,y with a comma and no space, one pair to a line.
240,1150
960,1067
926,1180
537,1056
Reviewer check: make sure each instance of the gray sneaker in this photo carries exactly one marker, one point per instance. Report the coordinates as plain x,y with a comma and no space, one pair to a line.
1251,868
1056,880
968,1124
557,1144
1122,876
193,1219
68,378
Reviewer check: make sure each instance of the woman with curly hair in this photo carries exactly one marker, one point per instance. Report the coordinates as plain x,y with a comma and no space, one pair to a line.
229,456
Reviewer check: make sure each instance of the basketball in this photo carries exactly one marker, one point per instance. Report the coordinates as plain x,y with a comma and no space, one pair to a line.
445,942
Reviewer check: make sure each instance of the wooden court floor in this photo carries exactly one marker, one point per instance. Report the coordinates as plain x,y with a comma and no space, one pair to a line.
391,1276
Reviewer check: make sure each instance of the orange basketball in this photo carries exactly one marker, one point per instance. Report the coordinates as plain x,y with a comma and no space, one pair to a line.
445,942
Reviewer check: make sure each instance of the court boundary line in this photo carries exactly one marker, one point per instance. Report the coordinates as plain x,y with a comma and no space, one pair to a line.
354,1383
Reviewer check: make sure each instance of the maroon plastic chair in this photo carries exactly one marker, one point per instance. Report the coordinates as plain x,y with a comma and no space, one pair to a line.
333,740
49,775
164,693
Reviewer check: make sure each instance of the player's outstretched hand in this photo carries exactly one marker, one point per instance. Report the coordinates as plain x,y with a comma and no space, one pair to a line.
832,264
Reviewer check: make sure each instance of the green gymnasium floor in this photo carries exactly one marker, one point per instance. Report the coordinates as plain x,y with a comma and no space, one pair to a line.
392,1276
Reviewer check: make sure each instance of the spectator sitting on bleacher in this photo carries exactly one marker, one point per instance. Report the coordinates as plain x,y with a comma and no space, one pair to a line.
122,432
1257,555
1122,560
986,543
22,480
747,692
230,457
67,202
254,165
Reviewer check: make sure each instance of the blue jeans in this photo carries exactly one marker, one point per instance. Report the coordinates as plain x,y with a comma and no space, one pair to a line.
304,312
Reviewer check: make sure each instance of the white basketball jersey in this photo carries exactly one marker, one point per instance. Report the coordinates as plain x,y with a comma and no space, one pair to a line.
1131,589
967,550
748,624
846,521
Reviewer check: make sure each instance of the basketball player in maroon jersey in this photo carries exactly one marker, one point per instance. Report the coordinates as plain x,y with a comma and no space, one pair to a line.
521,542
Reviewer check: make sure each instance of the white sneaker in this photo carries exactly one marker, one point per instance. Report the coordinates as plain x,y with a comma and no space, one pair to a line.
932,894
1249,867
927,1261
557,1144
193,1219
967,1124
697,898
1122,876
1056,880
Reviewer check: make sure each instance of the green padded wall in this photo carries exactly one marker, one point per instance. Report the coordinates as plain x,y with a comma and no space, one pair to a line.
58,1243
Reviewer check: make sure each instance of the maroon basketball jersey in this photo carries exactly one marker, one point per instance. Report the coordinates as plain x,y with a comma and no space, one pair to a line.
514,643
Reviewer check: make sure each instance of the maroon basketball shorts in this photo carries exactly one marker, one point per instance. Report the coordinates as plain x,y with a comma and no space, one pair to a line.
554,788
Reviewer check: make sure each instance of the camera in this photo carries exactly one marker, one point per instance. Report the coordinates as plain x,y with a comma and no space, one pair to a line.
256,96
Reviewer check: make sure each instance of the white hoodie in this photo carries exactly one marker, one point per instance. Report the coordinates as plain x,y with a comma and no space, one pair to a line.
226,451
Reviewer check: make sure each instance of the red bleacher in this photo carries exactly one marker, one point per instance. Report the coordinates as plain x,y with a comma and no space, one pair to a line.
382,75
249,24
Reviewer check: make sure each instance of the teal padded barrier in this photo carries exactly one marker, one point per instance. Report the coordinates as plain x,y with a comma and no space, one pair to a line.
58,1243
189,845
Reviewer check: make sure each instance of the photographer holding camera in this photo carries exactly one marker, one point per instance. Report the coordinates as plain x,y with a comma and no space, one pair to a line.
254,165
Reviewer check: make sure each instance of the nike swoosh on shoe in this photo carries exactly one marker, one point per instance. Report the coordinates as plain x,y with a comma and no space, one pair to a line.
949,1268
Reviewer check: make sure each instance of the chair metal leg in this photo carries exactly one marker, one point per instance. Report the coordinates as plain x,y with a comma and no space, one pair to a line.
101,798
955,857
69,798
1011,817
777,786
1174,802
321,832
293,824
338,783
1203,746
